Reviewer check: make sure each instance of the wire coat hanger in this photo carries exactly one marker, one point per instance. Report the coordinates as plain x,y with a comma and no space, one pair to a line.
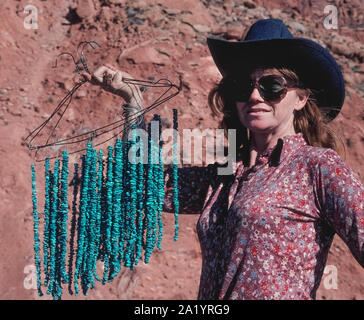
80,65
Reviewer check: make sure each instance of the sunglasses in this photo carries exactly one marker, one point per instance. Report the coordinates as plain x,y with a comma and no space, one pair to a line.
270,87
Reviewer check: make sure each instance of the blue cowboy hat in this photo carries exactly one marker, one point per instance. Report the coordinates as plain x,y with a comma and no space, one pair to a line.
269,43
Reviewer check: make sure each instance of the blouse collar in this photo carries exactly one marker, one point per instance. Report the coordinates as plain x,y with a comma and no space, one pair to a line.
273,155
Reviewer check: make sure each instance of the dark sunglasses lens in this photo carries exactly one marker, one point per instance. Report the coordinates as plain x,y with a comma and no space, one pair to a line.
271,87
242,89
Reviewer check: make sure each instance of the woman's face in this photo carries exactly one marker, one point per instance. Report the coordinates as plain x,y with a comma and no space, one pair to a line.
261,116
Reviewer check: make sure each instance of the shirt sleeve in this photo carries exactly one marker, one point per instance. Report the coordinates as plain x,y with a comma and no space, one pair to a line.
193,185
341,201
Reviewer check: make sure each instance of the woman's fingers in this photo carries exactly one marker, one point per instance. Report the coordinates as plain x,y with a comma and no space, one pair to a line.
111,67
110,72
118,77
102,72
118,82
112,80
86,76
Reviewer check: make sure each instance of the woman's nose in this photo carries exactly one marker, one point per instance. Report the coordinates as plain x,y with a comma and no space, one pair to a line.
255,95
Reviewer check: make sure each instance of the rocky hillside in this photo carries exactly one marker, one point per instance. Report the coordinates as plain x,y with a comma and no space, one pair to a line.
150,39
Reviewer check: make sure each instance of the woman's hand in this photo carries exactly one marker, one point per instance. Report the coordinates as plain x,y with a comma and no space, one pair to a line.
111,80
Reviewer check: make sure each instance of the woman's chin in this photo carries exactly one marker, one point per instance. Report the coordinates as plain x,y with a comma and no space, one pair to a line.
259,126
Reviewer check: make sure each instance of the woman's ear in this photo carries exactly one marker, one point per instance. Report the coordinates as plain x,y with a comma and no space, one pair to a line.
302,100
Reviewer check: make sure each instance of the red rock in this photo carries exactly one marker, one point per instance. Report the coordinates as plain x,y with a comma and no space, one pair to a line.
145,53
85,9
234,30
185,29
249,4
201,28
155,17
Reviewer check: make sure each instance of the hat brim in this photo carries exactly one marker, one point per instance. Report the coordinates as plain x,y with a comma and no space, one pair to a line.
315,66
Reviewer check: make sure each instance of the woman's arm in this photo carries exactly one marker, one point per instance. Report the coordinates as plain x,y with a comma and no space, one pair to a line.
341,197
193,185
110,79
193,182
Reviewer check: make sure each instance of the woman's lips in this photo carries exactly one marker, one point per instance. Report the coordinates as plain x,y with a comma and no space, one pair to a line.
257,111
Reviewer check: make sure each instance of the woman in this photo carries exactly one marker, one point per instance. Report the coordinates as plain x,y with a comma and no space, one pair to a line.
266,230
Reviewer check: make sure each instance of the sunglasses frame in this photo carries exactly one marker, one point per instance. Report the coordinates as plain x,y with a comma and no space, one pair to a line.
286,84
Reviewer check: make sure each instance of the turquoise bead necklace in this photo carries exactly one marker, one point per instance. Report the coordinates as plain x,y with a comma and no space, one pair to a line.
175,173
36,232
116,213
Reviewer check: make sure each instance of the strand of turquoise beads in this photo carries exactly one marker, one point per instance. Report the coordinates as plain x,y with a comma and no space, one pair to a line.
119,214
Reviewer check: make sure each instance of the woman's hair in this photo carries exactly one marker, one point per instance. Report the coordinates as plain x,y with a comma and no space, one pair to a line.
309,120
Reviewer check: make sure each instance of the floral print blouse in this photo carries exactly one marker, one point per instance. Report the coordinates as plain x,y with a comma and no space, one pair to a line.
265,231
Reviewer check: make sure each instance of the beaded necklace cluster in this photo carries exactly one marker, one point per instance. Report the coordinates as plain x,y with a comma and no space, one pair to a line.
116,213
